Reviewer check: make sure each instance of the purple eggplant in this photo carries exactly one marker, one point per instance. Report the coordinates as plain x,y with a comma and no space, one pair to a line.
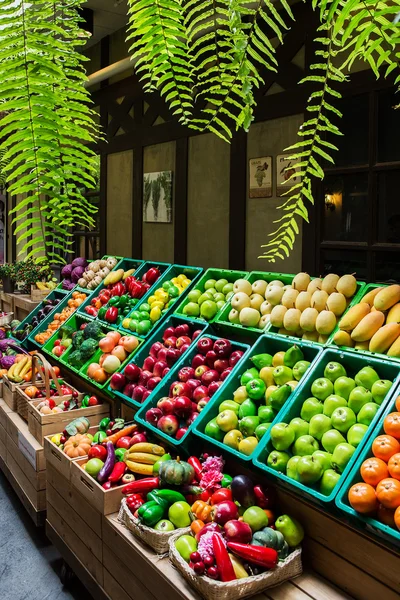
108,466
243,490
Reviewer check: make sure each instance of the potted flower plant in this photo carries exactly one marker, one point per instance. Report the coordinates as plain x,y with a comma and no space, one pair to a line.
8,272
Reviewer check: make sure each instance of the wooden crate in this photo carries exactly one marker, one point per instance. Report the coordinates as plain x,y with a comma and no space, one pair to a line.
37,516
23,400
38,295
36,478
4,410
44,425
18,430
104,501
35,497
7,302
57,458
23,305
10,392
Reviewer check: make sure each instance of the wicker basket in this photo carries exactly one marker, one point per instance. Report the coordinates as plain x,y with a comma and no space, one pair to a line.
240,588
157,540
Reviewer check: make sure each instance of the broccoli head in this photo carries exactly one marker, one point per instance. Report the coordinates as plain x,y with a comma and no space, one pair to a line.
93,330
75,359
77,339
66,332
88,348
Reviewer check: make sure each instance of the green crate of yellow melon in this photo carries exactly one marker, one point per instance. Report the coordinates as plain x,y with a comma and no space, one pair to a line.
372,324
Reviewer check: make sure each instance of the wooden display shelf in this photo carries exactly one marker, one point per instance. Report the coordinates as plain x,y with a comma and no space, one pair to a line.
37,516
7,302
23,305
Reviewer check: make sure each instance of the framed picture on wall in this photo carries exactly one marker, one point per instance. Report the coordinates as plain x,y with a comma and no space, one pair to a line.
284,171
260,177
157,197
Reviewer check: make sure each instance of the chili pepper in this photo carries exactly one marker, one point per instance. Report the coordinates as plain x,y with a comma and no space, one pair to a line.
263,496
221,495
169,496
90,310
112,314
142,486
150,513
197,466
104,423
222,559
134,501
257,555
226,480
85,401
119,453
202,511
117,472
102,313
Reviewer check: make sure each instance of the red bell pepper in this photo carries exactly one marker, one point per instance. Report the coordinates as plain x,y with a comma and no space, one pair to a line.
197,466
111,314
142,486
91,310
134,501
220,496
152,275
118,289
257,555
136,289
117,472
263,497
222,559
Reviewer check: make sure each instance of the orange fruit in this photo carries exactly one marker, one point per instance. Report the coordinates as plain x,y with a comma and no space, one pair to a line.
388,492
397,517
391,424
373,470
270,515
397,403
384,446
394,466
362,498
386,516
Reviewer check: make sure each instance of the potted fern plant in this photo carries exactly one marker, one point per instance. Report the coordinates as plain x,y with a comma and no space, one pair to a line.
8,277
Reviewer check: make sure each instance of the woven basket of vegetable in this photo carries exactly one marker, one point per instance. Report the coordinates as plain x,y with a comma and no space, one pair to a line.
210,589
157,540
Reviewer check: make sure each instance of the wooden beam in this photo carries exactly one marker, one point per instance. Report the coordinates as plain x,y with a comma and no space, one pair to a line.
137,202
120,116
180,207
103,204
237,201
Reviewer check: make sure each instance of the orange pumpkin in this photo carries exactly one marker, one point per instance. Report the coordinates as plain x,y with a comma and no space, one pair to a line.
362,498
77,445
388,493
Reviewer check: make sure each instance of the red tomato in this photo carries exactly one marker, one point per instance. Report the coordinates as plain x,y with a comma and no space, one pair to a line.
57,342
98,452
93,401
221,495
124,442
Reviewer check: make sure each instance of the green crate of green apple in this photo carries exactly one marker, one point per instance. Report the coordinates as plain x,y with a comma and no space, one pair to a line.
315,448
207,303
264,389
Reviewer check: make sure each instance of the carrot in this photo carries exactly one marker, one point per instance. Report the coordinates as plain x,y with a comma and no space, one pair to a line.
119,434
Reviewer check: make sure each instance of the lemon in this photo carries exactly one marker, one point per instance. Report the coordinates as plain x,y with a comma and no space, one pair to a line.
151,299
157,303
125,323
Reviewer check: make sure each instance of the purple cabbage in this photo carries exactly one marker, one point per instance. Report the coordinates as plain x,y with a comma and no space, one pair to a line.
7,362
2,334
66,271
77,274
67,285
79,262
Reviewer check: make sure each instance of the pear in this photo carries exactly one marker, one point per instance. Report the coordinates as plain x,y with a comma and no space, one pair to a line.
263,322
303,301
301,282
242,285
283,331
240,300
256,300
274,294
308,319
314,285
292,356
319,300
291,320
259,287
266,308
277,315
249,317
291,529
234,316
329,283
325,323
310,336
322,339
289,298
275,282
347,285
336,303
343,338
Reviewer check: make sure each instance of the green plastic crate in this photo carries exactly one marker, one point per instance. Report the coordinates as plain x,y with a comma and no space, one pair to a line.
368,524
144,350
252,277
352,363
230,276
43,325
266,343
124,263
192,273
55,294
75,321
163,390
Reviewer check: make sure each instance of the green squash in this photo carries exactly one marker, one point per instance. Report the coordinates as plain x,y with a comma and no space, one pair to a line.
175,472
270,538
283,552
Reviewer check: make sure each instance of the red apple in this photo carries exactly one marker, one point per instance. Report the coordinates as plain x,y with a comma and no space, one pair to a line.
213,387
159,367
235,357
155,348
191,418
198,360
98,451
168,424
182,329
170,342
238,531
199,372
184,339
197,333
225,511
193,384
204,345
149,363
138,438
222,348
162,354
172,356
132,372
225,373
128,389
138,392
179,388
186,373
93,401
203,402
182,406
183,348
211,357
180,433
124,442
166,405
146,394
169,332
144,377
209,376
221,364
117,381
166,370
153,415
200,393
153,382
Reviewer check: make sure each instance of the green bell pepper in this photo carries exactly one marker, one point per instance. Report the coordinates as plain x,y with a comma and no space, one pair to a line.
99,437
102,313
123,301
169,496
85,401
226,480
103,425
113,301
151,512
119,454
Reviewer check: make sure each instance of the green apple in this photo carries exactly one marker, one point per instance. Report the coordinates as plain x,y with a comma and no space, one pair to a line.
278,460
319,424
248,408
282,436
300,427
366,377
324,458
227,289
343,386
341,456
256,518
356,433
343,418
282,375
248,425
331,439
210,283
185,545
292,355
334,370
220,284
291,529
332,403
358,398
213,431
203,298
93,466
328,482
291,468
229,405
240,395
266,414
305,445
164,525
192,309
300,368
233,438
208,309
367,413
310,408
194,295
262,430
248,375
322,388
309,470
227,420
220,304
219,297
279,396
380,389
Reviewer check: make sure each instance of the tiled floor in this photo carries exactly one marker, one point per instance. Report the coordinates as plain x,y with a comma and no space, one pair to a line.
29,564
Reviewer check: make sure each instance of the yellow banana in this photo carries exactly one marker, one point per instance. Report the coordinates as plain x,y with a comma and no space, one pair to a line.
148,448
20,366
139,468
26,368
10,372
143,458
239,569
